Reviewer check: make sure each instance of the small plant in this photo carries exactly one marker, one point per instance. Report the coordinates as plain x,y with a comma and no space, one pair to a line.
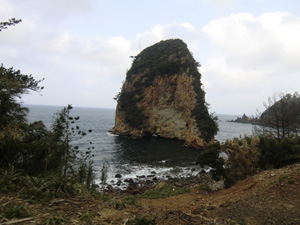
104,170
87,218
290,181
203,187
119,205
243,222
101,196
164,190
55,220
90,175
16,211
141,220
85,173
132,200
283,178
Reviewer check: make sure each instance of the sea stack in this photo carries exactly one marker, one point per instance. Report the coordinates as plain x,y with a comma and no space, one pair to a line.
162,96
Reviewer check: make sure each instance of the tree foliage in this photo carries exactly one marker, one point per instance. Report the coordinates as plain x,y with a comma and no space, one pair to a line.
13,85
276,153
30,147
241,161
13,123
210,156
11,22
245,156
282,116
275,145
65,131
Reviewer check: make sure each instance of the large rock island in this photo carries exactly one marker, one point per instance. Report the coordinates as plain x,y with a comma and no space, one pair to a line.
162,95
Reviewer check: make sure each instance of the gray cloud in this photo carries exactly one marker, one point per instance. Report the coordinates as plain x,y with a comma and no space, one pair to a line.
244,58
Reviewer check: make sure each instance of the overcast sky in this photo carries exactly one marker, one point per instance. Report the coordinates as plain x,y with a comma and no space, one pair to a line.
248,49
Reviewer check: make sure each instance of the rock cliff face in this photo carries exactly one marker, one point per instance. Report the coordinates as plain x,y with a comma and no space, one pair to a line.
162,95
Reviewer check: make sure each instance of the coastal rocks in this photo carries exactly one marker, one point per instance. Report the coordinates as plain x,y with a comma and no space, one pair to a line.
118,175
143,183
162,96
119,182
130,181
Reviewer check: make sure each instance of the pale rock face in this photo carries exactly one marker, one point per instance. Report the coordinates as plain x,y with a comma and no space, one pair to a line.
168,103
162,95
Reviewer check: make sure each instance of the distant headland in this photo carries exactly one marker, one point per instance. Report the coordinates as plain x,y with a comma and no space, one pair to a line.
245,119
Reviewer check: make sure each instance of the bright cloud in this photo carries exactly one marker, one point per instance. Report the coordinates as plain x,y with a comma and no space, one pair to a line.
257,56
86,68
185,31
5,9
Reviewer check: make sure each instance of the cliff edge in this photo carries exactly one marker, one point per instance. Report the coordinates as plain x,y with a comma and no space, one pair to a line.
162,95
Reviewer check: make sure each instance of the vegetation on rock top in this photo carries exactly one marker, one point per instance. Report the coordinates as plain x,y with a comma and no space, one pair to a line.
167,57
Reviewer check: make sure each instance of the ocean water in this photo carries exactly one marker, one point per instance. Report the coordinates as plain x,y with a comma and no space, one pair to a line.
134,157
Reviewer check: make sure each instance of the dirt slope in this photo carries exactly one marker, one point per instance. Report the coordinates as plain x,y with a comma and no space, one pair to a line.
270,197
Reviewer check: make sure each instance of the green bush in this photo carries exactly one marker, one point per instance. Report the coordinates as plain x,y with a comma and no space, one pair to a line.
210,156
10,179
249,154
35,188
276,153
243,156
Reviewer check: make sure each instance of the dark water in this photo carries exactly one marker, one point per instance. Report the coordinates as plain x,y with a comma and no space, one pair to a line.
131,157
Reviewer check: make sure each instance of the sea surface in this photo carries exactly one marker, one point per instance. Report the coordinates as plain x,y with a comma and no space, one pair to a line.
132,157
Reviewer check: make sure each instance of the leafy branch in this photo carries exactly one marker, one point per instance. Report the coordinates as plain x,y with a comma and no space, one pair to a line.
11,22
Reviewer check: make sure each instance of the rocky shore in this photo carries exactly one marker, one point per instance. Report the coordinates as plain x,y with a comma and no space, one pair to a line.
141,184
269,197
